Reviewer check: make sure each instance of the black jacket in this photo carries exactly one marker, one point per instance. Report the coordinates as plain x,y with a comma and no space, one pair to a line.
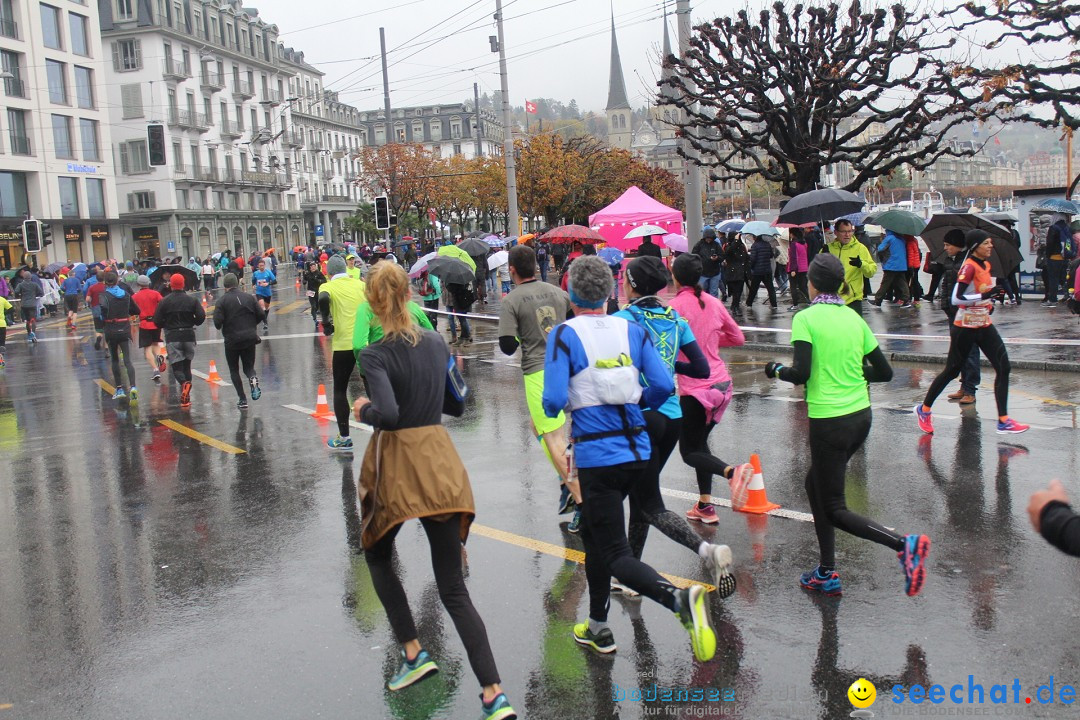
735,261
951,269
761,254
649,248
1060,527
711,253
116,312
237,315
177,315
313,280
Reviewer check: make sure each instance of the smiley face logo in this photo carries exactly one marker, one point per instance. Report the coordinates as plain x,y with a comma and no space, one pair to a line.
862,693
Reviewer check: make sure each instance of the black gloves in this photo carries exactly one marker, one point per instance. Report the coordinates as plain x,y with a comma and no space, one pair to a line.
855,262
998,293
772,369
327,328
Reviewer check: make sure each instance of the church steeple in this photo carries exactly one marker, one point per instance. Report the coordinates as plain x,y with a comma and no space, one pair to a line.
618,107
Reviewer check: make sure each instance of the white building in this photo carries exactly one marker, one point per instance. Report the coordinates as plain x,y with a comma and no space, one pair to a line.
214,73
54,162
445,130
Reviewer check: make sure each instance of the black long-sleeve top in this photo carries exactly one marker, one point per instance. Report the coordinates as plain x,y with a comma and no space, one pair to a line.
407,384
1060,527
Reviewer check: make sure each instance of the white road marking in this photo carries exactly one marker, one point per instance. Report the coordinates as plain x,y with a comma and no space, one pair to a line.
309,411
779,512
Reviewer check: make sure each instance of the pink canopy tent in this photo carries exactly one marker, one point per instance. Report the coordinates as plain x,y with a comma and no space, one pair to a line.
631,209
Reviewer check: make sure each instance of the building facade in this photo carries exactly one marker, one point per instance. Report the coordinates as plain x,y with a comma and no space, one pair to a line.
445,130
1047,169
54,160
213,73
955,172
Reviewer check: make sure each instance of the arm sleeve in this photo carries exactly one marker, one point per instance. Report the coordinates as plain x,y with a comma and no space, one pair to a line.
799,372
219,314
1060,527
557,370
508,344
260,314
878,369
200,314
731,335
383,410
324,306
420,316
869,267
361,335
696,365
159,316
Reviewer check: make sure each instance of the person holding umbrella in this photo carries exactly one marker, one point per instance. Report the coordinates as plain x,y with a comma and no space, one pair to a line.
896,268
648,249
856,261
974,296
711,253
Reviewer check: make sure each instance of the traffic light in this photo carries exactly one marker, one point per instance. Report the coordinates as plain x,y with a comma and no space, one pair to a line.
32,236
382,213
155,143
45,233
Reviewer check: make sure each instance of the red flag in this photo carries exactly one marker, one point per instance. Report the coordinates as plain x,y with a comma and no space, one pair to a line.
530,107
997,140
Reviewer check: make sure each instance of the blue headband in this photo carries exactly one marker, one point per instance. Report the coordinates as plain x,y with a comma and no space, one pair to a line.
582,303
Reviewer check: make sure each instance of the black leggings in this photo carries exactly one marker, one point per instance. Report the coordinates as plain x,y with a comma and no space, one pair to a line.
445,541
800,293
116,345
757,281
233,357
603,533
343,364
832,443
646,503
314,302
734,290
694,445
992,347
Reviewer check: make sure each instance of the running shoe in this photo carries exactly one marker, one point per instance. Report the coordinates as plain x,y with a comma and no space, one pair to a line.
1011,427
157,377
119,394
719,562
412,671
32,337
601,642
97,342
340,443
574,526
617,588
913,562
926,421
694,615
498,709
241,405
161,363
133,393
266,327
256,391
2,363
705,514
567,503
185,395
824,583
740,485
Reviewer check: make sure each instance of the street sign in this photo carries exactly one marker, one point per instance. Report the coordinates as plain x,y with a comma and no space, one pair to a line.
170,246
319,231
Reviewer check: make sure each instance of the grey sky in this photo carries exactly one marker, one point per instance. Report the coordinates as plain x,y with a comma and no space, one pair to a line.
557,48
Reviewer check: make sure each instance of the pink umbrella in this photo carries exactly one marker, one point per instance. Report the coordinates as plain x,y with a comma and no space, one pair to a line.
676,242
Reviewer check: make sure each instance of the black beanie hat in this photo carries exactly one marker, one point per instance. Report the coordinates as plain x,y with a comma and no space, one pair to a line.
687,269
955,237
826,273
975,237
647,275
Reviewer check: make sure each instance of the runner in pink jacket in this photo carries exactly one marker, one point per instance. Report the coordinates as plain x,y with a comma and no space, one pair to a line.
704,401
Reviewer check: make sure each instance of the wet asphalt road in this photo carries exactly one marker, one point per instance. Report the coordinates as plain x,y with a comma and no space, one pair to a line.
149,574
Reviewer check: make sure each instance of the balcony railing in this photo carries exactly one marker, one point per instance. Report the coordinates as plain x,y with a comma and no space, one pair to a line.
243,89
9,29
14,87
328,174
20,144
188,120
212,81
272,97
227,128
337,199
292,138
176,71
268,179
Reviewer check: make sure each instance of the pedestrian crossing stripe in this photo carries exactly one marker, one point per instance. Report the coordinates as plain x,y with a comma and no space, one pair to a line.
778,512
105,386
564,553
204,439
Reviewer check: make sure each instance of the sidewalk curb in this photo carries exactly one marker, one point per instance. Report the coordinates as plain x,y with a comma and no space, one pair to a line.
932,359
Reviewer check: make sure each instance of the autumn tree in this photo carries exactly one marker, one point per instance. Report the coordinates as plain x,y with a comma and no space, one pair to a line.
799,88
400,171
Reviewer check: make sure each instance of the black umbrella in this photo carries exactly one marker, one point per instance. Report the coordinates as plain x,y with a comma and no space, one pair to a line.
451,270
157,274
1003,260
818,205
475,247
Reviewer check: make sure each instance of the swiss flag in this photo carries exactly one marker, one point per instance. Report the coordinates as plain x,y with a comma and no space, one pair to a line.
530,107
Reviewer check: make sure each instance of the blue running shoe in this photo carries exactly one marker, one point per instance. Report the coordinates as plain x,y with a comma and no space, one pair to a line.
825,583
256,391
119,394
498,709
566,501
913,562
412,671
574,526
344,444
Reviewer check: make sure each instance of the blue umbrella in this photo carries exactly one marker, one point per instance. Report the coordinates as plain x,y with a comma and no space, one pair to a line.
612,256
759,227
856,218
730,226
495,241
1059,205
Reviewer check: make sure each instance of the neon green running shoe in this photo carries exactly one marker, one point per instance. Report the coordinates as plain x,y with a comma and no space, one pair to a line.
601,642
694,614
412,671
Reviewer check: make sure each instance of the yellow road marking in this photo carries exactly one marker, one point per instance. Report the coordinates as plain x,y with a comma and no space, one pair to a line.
6,706
105,386
290,307
1032,396
205,439
563,553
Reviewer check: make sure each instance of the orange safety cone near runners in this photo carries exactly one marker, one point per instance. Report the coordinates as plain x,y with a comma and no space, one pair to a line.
213,377
322,408
756,499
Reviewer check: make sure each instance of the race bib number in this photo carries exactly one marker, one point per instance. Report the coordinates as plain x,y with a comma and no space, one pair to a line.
974,317
311,293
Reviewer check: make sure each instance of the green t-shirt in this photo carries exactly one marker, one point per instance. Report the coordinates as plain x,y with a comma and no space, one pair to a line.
840,338
367,330
346,294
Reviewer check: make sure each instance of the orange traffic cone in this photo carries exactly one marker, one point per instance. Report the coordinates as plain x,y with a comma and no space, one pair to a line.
213,377
204,301
297,282
322,408
756,500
